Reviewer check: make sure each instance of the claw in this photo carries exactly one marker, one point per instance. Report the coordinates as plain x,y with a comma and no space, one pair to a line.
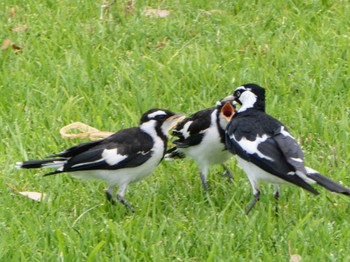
227,173
122,200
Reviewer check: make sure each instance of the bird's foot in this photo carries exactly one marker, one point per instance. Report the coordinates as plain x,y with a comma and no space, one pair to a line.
276,196
205,185
204,181
122,200
227,173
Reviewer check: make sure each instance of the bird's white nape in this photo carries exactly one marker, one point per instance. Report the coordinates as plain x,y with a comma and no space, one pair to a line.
149,127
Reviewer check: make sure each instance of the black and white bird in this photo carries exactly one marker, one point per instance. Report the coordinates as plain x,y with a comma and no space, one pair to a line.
126,156
201,137
266,150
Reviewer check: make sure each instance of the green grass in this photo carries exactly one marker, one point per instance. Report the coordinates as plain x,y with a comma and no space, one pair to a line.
75,67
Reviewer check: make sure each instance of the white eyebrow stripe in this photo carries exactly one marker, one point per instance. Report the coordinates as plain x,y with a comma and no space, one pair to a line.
157,113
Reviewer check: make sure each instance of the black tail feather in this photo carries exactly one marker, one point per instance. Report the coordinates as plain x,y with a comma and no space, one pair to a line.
37,163
53,173
329,184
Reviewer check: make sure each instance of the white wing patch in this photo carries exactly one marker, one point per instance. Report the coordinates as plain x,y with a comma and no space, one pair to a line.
184,130
297,159
55,164
251,147
285,132
143,153
309,170
112,157
83,164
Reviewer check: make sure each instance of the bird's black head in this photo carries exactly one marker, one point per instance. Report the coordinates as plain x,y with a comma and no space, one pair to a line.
160,115
160,119
250,96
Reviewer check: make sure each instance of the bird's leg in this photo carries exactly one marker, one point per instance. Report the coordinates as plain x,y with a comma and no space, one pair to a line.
256,192
120,197
252,204
276,195
227,172
109,194
203,175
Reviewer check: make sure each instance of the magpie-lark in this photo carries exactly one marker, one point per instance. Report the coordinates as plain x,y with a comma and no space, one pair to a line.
266,150
126,156
201,137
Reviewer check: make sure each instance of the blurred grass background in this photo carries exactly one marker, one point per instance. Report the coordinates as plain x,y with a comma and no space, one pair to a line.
68,65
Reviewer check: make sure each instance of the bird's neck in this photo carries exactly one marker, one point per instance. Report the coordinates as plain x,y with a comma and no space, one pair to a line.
255,106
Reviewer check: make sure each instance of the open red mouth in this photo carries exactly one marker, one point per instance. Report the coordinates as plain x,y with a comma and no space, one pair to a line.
228,111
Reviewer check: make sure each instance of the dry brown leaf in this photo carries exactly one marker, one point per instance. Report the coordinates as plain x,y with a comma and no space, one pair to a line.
16,48
156,12
12,12
105,7
20,28
86,131
108,5
214,11
6,44
129,8
36,196
293,257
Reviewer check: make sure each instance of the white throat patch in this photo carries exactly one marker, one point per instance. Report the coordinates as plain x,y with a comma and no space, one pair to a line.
248,99
149,128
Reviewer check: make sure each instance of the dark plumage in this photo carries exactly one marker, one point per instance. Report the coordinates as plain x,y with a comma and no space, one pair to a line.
127,156
266,150
201,137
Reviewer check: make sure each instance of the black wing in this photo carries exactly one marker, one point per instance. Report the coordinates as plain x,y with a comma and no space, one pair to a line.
190,131
126,148
263,142
290,149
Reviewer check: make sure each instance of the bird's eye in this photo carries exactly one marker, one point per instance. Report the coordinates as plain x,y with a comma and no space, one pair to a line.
238,93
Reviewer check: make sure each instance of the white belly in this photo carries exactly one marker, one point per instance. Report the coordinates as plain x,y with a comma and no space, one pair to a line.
210,151
255,173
